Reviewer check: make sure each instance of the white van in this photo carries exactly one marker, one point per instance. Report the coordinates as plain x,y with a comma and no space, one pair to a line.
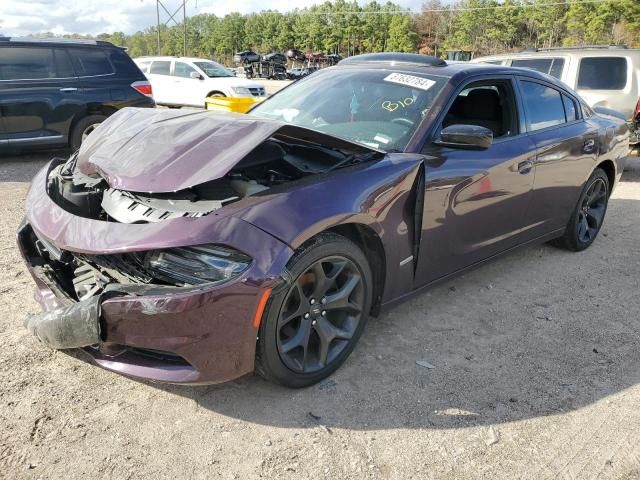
606,76
178,81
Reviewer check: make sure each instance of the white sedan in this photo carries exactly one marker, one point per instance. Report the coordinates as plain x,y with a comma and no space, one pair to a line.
178,81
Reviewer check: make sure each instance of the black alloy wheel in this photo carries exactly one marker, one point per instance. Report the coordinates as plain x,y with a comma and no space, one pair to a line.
320,314
587,218
311,326
592,211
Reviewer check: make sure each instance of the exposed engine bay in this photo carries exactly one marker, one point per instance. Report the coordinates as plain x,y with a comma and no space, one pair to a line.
277,161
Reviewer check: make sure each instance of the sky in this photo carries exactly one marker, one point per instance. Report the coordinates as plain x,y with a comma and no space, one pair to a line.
24,17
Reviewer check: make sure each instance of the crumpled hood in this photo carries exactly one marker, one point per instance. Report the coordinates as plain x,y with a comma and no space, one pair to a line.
157,150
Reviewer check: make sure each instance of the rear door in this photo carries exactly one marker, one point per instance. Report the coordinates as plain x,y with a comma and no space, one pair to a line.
566,151
160,77
38,94
96,75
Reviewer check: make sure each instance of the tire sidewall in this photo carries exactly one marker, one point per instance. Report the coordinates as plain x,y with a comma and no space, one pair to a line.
269,363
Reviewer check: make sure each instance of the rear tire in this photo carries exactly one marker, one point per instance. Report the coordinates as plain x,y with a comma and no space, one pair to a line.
588,216
303,339
83,128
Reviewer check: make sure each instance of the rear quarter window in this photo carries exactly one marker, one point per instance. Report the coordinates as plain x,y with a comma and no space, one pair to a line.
602,73
123,62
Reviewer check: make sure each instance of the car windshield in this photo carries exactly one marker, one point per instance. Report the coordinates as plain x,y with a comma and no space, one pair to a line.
213,69
378,108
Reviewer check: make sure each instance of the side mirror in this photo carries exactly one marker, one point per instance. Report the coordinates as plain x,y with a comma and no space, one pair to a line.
195,75
465,136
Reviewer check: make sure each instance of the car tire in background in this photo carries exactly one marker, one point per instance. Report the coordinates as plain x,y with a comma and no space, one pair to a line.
586,220
311,326
83,128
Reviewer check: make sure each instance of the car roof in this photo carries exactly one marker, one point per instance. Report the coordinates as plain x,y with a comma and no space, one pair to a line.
55,41
454,70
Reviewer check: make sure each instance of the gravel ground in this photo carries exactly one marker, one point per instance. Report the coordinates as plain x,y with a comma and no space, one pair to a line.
536,375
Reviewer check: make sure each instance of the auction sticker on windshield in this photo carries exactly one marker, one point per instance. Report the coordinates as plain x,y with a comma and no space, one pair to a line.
410,81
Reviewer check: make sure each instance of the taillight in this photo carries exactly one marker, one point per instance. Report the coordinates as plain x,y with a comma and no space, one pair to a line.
143,87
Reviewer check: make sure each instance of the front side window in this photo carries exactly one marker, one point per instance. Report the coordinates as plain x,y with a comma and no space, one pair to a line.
488,104
379,108
544,105
550,66
182,69
602,73
161,67
91,62
27,63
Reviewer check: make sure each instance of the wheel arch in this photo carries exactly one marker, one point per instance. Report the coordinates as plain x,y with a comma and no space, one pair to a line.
610,169
91,109
370,243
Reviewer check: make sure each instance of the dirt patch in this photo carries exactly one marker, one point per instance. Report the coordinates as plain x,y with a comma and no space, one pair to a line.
535,374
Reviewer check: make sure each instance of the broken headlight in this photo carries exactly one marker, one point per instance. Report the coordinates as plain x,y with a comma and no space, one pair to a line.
196,265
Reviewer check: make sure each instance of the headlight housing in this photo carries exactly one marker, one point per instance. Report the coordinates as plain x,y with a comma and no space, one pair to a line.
242,91
197,265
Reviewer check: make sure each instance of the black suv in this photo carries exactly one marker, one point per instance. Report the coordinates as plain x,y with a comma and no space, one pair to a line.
54,92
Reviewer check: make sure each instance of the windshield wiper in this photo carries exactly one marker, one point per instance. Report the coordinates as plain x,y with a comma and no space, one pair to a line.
353,159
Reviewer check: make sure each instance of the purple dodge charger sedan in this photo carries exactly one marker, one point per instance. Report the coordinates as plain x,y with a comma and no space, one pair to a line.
196,247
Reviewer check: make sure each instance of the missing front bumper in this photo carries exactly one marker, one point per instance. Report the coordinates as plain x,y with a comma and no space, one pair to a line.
74,326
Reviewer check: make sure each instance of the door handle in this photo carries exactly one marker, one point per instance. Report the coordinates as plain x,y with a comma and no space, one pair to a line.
589,145
525,167
68,89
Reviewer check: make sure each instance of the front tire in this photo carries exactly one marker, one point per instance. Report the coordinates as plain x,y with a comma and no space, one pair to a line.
311,327
586,221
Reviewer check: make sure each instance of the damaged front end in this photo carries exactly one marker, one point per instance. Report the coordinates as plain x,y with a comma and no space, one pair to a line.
135,255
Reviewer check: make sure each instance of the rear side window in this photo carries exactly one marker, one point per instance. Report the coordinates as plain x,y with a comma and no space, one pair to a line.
551,66
26,63
91,62
602,73
160,68
544,105
569,109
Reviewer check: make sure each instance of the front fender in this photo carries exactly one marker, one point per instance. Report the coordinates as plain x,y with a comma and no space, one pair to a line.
378,195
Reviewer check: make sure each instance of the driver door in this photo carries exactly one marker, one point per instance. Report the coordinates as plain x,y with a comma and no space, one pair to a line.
476,201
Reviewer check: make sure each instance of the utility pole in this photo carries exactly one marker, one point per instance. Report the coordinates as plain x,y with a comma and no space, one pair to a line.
172,17
158,24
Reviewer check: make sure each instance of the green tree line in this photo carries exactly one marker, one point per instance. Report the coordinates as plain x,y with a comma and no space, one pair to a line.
347,28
